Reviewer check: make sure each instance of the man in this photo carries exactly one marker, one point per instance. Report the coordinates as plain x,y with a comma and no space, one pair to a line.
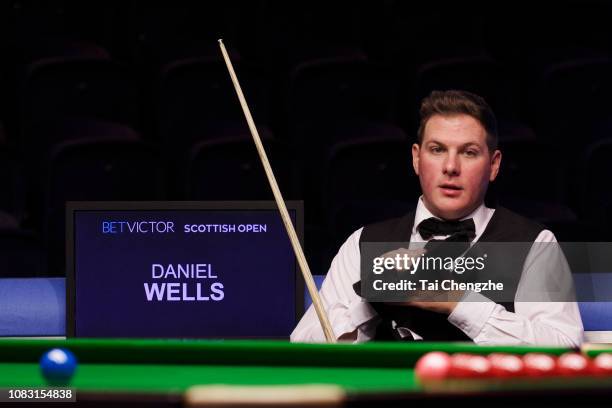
456,158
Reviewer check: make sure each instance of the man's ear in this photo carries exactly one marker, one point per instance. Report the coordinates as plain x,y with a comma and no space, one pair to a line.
415,157
495,163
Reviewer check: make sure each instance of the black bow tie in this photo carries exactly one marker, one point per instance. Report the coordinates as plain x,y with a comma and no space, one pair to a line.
433,226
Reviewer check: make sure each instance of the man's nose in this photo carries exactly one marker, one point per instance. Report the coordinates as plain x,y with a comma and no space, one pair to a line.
452,166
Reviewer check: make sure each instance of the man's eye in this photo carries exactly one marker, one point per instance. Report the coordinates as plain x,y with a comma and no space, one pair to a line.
471,153
435,149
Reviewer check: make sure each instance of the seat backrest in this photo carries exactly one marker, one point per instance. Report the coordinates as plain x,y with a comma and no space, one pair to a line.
82,88
32,307
230,169
196,95
96,170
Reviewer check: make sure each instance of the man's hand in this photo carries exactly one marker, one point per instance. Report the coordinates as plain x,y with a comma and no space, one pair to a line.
447,300
405,255
440,302
438,307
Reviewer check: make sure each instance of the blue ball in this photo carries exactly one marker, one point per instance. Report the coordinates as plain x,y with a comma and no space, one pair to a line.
58,366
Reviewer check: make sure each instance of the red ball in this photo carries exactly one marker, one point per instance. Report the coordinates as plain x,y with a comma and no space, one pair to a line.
469,366
539,365
506,365
434,365
573,364
602,364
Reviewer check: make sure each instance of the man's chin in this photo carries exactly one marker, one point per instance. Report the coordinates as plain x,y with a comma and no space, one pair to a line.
453,212
450,208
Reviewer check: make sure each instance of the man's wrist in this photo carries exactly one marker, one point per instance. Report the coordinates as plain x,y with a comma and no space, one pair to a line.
471,313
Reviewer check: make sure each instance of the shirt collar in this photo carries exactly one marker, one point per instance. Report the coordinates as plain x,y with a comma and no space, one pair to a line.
480,215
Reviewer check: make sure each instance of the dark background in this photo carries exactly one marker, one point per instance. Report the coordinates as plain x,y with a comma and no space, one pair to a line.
130,100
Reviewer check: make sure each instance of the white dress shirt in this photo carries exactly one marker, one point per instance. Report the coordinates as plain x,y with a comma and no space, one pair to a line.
484,321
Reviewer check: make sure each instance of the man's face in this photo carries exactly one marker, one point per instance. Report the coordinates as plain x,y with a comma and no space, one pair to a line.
454,165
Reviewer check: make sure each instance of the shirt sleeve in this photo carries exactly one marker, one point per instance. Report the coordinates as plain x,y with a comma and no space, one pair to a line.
345,309
552,323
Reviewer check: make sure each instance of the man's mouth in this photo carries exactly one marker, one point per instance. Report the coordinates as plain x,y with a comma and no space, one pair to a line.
451,187
450,190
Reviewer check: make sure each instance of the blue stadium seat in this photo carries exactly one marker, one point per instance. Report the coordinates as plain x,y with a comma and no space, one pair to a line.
596,316
32,307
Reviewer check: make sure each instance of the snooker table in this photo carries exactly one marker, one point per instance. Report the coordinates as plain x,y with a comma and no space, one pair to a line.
150,372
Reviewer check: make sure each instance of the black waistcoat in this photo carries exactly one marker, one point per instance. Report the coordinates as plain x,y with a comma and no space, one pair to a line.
504,226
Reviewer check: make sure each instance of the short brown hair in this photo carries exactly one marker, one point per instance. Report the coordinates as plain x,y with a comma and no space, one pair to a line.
453,102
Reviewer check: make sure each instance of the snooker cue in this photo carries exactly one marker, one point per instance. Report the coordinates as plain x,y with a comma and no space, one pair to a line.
278,197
